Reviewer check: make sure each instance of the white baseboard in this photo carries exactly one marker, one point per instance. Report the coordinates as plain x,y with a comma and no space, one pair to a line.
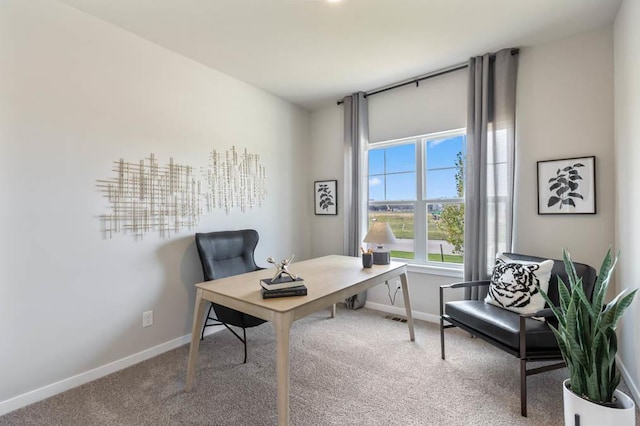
633,387
47,391
401,311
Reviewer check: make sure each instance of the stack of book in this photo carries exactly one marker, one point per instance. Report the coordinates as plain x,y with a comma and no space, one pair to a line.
283,287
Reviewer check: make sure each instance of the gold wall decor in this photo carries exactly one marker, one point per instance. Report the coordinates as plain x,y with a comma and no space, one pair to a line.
145,197
235,180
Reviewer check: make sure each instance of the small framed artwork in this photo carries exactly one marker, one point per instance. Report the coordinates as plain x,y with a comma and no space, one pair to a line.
326,197
567,186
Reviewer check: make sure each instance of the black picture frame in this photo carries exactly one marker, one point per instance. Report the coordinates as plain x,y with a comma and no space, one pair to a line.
567,186
326,197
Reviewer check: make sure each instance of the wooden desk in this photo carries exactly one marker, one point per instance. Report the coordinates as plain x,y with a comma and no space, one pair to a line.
329,280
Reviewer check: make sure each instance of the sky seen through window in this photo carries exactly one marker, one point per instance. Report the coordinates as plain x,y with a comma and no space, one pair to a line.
392,170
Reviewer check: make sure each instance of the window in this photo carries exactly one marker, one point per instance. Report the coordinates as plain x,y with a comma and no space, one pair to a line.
417,186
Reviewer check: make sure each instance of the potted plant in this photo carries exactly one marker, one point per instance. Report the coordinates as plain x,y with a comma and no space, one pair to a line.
587,339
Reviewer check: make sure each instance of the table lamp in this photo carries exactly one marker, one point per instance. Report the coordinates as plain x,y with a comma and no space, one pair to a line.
380,234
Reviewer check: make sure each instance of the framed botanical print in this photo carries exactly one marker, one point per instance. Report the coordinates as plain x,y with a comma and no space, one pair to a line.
567,186
326,197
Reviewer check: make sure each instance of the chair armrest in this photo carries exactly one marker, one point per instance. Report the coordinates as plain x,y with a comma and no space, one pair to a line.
464,284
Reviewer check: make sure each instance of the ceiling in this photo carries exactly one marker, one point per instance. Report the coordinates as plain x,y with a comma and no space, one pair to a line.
311,52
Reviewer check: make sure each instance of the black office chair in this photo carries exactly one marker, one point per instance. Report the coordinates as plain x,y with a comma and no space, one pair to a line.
518,334
224,254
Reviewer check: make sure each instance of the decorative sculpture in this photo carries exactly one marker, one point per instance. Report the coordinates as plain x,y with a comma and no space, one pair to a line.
282,268
145,196
236,180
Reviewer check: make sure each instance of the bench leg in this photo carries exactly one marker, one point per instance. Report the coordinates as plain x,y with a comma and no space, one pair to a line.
523,388
441,337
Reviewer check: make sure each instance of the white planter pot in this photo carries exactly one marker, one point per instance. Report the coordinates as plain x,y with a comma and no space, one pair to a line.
592,414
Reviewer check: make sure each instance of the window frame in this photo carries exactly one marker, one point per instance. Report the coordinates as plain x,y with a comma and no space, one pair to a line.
420,202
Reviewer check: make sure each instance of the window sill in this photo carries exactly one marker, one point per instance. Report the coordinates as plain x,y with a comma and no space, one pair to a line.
434,270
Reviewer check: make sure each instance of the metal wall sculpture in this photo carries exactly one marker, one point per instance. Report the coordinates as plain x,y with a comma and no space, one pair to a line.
235,180
145,197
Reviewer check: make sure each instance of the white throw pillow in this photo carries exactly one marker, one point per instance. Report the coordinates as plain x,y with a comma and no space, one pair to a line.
513,284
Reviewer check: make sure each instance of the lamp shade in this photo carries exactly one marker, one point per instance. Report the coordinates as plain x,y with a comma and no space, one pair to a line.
380,233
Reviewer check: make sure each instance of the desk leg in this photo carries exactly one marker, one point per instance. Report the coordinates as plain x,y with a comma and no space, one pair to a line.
282,324
407,304
198,314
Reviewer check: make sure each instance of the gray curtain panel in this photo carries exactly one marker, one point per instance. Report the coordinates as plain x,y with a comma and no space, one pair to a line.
356,138
490,163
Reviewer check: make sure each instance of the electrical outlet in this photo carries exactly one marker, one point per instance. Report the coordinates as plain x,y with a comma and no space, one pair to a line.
398,285
147,318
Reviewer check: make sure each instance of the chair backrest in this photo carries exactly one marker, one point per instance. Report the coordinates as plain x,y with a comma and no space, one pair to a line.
227,253
586,272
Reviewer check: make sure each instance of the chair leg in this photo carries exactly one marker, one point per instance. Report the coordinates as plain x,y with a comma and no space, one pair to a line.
206,321
523,387
244,334
243,339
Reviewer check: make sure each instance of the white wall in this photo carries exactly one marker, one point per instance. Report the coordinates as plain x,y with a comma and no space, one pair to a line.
327,152
565,109
75,95
627,154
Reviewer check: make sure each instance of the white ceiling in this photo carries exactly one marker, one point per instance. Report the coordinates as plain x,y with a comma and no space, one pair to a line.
312,52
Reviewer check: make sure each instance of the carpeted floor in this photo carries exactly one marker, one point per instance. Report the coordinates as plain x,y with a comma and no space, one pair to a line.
356,369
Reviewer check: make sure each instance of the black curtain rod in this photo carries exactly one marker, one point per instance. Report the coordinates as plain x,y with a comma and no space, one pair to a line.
417,81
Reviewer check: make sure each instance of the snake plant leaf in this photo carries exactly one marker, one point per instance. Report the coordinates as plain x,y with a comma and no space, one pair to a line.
569,267
585,303
549,302
614,374
576,352
602,282
614,309
592,389
604,359
614,383
562,342
565,296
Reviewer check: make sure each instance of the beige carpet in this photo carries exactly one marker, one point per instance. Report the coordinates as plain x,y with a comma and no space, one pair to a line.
356,369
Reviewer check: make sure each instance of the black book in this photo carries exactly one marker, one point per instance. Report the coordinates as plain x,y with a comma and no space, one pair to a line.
281,283
300,290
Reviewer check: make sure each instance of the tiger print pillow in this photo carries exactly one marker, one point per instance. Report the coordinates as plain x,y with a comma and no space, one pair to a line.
513,284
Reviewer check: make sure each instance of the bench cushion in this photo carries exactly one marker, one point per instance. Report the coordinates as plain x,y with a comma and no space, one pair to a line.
500,324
